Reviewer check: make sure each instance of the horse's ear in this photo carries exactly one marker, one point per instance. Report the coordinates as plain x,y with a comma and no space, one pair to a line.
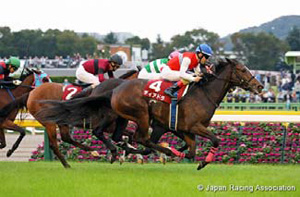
228,60
139,68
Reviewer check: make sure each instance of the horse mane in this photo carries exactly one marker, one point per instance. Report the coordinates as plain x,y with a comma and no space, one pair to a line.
25,73
128,74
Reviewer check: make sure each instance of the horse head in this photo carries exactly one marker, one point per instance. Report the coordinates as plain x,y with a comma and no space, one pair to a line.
242,77
27,76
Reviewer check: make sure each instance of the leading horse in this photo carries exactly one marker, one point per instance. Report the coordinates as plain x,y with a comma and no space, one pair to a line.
195,110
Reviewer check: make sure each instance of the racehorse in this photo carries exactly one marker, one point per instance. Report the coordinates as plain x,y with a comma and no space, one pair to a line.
52,91
7,95
195,110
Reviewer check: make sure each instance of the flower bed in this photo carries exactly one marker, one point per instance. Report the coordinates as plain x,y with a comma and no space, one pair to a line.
239,143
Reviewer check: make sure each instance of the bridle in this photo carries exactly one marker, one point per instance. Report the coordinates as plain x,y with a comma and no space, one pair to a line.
241,82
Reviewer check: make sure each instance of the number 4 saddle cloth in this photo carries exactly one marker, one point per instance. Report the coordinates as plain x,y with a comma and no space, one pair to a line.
155,90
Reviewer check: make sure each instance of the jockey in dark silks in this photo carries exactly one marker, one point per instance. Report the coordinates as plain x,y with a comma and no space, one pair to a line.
7,67
92,71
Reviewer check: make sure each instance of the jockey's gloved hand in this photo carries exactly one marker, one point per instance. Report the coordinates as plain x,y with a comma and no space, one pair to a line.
17,82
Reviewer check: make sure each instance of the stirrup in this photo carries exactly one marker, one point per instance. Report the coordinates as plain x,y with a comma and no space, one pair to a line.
170,93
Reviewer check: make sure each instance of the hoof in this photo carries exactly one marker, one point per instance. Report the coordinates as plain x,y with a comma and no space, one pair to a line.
140,161
2,146
113,159
67,166
9,153
122,160
95,154
201,165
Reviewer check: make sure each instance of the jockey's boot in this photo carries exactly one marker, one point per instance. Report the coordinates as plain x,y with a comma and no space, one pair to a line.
170,91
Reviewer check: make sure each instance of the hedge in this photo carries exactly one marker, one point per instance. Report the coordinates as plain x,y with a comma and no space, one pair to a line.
252,142
62,78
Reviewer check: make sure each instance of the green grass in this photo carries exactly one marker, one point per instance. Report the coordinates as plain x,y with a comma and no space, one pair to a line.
103,179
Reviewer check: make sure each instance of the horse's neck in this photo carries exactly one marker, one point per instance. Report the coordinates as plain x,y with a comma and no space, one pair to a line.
217,89
25,86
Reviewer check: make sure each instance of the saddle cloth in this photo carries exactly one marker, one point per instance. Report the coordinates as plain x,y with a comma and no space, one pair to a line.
70,90
155,90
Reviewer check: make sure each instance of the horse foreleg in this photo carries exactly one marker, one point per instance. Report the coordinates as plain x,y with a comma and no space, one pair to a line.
66,137
201,130
2,139
8,124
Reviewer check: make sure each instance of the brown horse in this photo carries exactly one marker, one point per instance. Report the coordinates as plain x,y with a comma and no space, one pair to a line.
53,91
7,95
195,109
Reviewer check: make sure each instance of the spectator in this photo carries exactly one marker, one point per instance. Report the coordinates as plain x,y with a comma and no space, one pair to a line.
280,97
66,82
257,76
271,95
264,96
229,97
297,90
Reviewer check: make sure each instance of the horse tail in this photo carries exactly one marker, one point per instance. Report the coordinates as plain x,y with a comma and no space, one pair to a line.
84,93
73,112
19,103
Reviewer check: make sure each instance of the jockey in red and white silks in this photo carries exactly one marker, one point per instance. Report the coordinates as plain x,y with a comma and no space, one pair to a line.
178,67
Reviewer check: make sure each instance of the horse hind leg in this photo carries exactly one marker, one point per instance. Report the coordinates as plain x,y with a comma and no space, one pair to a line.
8,124
104,123
2,139
66,137
51,130
98,132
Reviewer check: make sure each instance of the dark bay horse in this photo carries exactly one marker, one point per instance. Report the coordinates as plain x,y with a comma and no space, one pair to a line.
53,91
7,95
194,113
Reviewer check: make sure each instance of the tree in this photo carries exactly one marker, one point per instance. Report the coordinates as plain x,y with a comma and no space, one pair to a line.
87,45
25,42
191,39
145,42
110,38
48,43
261,50
293,39
6,42
160,49
67,43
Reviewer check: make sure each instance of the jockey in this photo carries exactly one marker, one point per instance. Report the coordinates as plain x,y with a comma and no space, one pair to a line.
153,70
178,67
40,76
9,66
92,71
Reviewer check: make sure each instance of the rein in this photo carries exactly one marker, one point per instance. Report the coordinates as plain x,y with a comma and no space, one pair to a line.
242,82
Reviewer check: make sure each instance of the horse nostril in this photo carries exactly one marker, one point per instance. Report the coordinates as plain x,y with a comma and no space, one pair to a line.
260,87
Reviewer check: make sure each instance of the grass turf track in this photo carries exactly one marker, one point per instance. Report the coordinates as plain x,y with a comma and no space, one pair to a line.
130,179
